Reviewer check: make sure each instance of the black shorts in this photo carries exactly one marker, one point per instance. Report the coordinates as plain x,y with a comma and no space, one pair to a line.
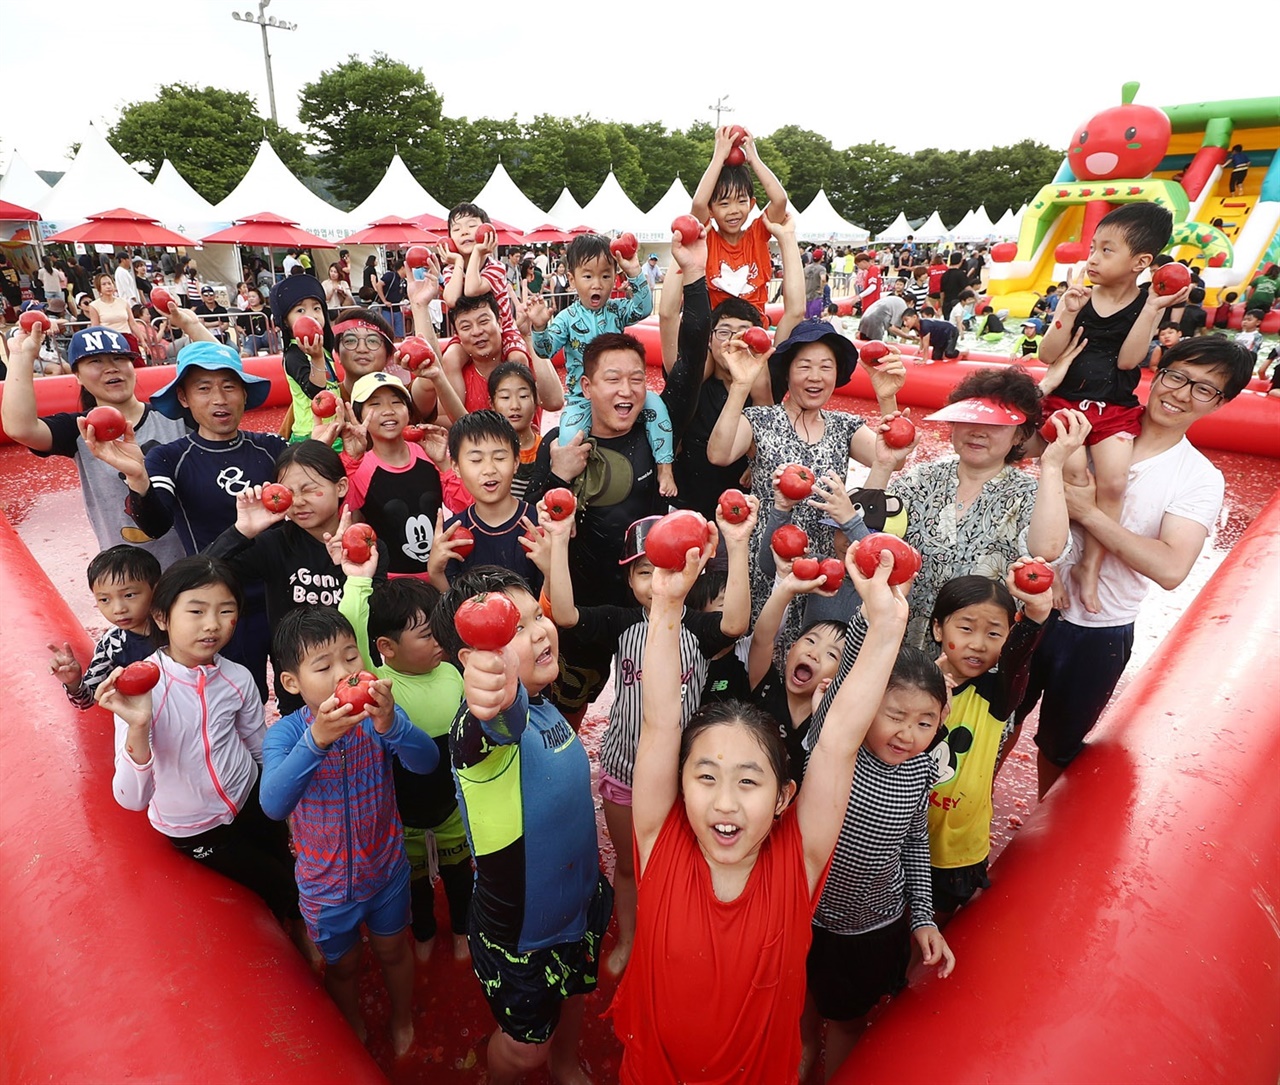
954,886
526,990
849,973
1075,669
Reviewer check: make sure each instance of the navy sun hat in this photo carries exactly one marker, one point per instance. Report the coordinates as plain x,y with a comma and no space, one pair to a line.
96,340
811,331
287,293
211,357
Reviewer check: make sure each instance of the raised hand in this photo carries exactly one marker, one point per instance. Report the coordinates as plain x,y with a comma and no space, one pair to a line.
65,667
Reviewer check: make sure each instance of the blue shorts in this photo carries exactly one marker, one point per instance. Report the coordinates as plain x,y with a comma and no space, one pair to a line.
1075,669
335,928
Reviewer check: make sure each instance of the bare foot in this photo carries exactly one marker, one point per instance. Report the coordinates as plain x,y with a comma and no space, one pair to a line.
571,1073
1086,585
422,950
461,948
667,480
402,1038
616,963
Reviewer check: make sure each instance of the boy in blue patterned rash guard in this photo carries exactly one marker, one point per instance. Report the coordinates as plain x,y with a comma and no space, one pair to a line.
540,905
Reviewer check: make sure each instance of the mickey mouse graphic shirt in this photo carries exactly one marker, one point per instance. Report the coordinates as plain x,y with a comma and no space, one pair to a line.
400,504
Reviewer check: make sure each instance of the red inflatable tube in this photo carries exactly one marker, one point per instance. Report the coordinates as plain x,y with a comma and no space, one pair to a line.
119,958
1131,933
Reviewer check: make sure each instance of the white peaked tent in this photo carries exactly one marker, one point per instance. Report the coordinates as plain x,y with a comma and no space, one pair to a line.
932,229
181,207
975,226
610,210
269,186
821,222
897,230
1004,225
22,185
962,230
566,212
656,225
98,179
398,193
502,200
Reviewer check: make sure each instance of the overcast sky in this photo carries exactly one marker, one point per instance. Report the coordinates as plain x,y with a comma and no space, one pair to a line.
917,75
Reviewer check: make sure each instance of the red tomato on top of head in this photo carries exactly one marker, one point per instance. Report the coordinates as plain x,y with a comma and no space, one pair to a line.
324,404
358,541
353,690
487,622
1170,278
687,227
1033,577
796,482
789,542
560,503
906,558
734,506
672,537
107,422
306,327
138,678
277,498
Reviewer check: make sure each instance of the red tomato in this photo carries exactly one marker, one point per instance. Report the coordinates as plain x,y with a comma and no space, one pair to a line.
325,404
485,233
107,422
414,433
672,537
353,690
277,498
418,350
138,678
906,559
463,541
560,503
757,340
735,157
734,507
161,299
1033,577
417,256
31,318
1048,431
872,352
358,541
1123,141
901,432
688,227
449,244
487,622
796,482
1170,278
306,327
833,570
625,246
807,568
789,542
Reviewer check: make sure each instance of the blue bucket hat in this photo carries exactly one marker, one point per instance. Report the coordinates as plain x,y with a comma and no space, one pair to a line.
1035,323
811,331
211,357
96,340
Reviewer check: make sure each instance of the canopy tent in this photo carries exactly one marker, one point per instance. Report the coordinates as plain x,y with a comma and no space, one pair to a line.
610,210
566,210
1006,225
898,230
270,184
398,193
181,207
436,224
546,234
21,185
11,212
821,222
16,224
265,228
975,226
97,178
501,199
655,226
932,229
392,230
121,226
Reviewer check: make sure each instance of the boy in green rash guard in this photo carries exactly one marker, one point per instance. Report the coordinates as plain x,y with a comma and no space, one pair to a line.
308,363
395,618
540,905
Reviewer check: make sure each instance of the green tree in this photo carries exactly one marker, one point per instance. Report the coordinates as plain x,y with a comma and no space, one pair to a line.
810,162
362,112
864,186
664,156
471,150
210,135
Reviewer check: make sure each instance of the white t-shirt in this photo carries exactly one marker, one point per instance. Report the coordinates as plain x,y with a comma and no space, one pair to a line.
291,262
1180,482
126,287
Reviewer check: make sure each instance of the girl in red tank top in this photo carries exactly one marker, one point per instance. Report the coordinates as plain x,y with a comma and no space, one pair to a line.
729,870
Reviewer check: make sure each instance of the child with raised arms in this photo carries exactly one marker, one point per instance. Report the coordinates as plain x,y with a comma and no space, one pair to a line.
592,271
987,643
730,870
329,765
122,580
189,750
540,905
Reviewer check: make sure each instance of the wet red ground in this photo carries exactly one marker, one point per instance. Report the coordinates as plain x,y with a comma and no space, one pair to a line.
41,498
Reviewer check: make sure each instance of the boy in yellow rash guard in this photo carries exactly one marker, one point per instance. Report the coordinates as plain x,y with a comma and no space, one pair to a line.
396,619
986,652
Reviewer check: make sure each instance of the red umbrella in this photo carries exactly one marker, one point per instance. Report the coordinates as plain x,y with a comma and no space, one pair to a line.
507,234
431,222
268,230
546,232
11,212
392,230
121,227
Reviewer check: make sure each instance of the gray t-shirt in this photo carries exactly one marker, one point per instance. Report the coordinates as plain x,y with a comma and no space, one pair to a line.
104,489
876,320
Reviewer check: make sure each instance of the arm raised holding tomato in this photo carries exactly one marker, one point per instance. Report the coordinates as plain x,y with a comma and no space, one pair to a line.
735,618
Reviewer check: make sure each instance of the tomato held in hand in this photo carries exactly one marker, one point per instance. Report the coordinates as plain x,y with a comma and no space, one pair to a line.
417,349
625,246
1170,278
789,542
807,568
833,570
449,245
687,227
560,503
414,433
417,256
906,559
1033,577
358,541
107,422
796,482
161,299
672,537
757,340
306,327
734,506
28,320
872,352
735,157
1049,431
138,678
276,498
354,690
487,622
463,541
485,233
324,404
901,432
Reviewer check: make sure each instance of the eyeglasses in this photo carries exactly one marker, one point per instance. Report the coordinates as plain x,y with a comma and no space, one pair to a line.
350,341
1175,379
724,334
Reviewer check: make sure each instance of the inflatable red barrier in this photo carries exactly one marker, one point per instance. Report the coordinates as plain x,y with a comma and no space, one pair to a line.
119,958
1131,932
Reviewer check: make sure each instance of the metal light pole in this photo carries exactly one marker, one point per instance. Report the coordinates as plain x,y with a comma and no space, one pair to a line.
264,24
720,107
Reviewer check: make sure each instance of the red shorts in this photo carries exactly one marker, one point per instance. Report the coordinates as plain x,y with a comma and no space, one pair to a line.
1107,419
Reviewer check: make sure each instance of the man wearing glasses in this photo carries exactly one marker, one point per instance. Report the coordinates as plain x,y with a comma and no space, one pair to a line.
1170,506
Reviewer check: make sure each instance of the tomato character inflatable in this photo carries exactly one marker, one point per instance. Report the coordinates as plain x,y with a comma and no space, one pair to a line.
1124,141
